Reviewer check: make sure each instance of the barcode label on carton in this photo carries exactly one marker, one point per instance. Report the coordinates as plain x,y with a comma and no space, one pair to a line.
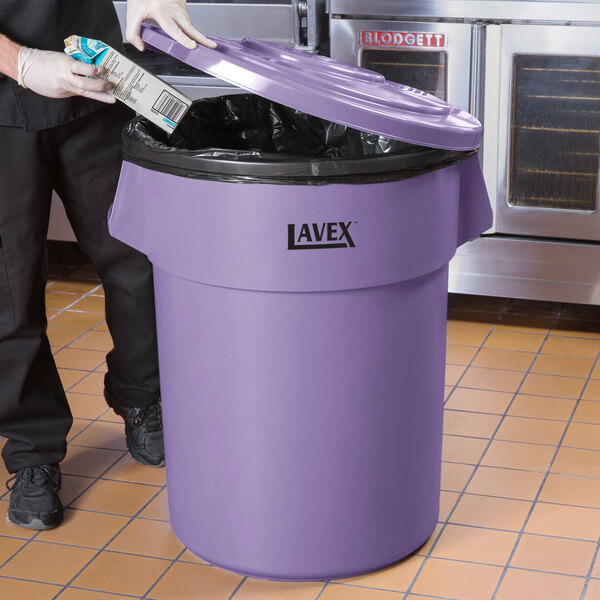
169,106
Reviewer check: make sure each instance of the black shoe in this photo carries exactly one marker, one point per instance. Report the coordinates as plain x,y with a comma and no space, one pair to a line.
143,430
34,502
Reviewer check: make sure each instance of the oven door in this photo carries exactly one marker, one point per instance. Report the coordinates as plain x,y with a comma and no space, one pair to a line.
542,130
434,57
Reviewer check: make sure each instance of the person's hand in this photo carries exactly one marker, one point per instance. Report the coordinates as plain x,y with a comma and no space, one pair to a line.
56,75
171,15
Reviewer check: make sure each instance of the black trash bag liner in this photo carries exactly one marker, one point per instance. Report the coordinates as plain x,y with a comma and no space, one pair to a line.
246,138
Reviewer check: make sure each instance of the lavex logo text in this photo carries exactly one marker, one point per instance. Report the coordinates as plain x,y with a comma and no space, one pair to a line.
320,236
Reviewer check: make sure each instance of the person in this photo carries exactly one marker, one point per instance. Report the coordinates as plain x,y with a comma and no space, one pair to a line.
61,129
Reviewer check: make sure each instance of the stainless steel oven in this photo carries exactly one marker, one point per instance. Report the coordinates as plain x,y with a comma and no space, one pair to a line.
530,70
547,143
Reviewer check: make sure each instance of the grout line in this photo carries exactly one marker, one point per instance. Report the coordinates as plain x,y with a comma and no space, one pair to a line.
542,485
590,571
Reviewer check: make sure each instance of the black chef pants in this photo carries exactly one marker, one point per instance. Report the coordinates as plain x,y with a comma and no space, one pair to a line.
81,161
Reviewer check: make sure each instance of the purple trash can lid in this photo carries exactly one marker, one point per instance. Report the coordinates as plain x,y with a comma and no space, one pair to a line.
329,89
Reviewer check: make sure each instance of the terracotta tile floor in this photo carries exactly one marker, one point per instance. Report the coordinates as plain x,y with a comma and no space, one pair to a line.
520,492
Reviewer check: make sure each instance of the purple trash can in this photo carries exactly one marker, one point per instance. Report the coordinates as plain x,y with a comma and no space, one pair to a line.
301,310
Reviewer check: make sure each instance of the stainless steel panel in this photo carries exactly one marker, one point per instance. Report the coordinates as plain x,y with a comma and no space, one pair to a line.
536,40
272,22
527,268
346,45
583,11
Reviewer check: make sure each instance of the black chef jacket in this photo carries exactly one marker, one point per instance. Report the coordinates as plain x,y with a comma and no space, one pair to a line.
45,24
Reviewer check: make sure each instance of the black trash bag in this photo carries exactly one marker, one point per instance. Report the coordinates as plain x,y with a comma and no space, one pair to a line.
248,139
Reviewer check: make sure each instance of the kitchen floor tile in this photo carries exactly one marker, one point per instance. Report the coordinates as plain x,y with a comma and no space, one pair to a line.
550,385
457,580
259,589
100,434
430,542
491,512
593,590
507,483
71,319
69,377
94,340
587,412
9,547
453,373
542,407
583,435
129,574
510,360
148,538
481,425
73,286
61,337
90,462
459,355
554,555
466,336
79,594
564,521
472,544
116,497
72,487
158,508
516,455
86,360
571,347
484,401
18,589
188,580
592,389
455,476
56,300
532,431
574,461
510,340
396,578
91,304
460,449
492,379
562,365
86,406
447,502
567,489
529,585
92,384
128,469
85,528
49,563
336,591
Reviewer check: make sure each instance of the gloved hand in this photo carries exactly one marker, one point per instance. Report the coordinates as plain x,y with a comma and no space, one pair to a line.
171,15
56,75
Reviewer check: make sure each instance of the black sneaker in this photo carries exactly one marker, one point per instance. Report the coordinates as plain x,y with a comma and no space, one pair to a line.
143,430
34,502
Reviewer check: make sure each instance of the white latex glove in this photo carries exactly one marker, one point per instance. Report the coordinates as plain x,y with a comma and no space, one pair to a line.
171,15
56,75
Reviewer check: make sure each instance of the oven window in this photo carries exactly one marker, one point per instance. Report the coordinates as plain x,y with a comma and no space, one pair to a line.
423,70
555,132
